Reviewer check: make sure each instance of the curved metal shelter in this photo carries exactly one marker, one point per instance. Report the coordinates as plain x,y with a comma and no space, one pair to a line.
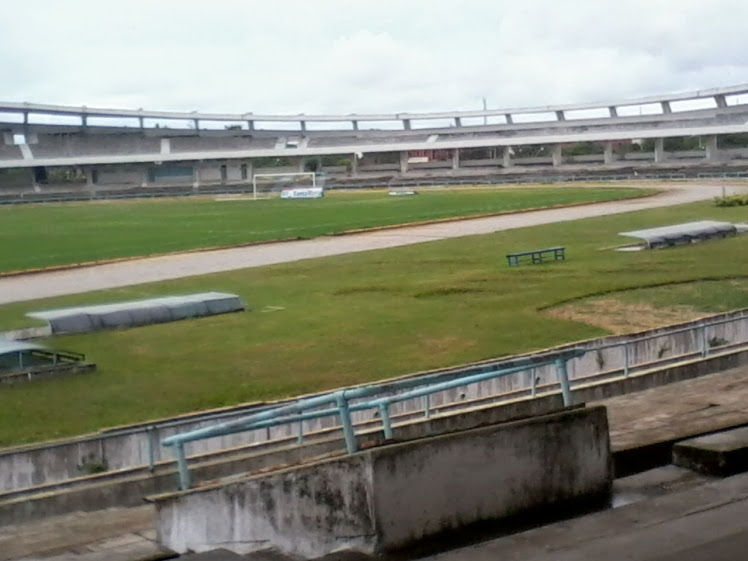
15,355
679,234
140,312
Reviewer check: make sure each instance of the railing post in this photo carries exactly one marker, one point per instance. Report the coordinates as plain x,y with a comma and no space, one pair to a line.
151,448
563,379
427,405
345,419
626,360
384,411
184,472
704,342
533,383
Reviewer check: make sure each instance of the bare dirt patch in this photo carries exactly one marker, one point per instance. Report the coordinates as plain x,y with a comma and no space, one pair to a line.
623,317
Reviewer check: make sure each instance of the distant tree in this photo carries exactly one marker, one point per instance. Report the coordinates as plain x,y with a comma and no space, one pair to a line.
583,149
738,140
683,143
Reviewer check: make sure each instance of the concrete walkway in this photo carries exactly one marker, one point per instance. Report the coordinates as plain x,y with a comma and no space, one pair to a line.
140,271
112,535
678,411
708,523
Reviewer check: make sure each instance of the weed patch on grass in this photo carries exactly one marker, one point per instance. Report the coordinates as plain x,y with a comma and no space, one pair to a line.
450,291
354,290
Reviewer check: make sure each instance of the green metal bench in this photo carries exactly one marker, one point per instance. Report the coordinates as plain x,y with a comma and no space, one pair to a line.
538,256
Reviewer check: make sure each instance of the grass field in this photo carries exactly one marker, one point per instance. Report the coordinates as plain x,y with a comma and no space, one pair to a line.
48,235
330,322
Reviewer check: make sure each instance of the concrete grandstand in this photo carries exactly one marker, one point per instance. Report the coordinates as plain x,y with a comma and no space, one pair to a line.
136,152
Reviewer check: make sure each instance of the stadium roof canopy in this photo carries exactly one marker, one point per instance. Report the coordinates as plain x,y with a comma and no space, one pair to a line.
139,312
683,233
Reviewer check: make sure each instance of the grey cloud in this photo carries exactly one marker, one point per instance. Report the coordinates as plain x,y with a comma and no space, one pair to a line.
298,56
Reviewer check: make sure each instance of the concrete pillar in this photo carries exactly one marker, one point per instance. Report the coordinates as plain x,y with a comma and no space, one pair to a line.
197,124
196,176
300,163
89,176
560,116
508,118
141,120
250,170
32,178
456,158
508,157
558,158
404,162
144,182
712,150
303,125
608,155
406,124
355,125
613,111
458,122
354,164
720,101
660,155
250,125
666,109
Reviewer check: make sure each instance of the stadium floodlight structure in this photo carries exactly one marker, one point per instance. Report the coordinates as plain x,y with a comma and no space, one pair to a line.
279,181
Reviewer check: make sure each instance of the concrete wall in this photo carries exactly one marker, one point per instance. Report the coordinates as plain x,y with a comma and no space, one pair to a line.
490,163
379,167
121,176
35,465
127,487
389,497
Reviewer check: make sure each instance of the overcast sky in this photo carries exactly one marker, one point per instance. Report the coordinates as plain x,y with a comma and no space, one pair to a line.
338,56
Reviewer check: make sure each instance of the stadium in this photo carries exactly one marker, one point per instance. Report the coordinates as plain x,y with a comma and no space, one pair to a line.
119,152
502,294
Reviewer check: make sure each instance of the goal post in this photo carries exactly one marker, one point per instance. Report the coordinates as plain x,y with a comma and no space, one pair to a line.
274,184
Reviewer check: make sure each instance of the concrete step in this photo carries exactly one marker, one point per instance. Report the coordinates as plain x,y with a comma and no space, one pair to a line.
721,454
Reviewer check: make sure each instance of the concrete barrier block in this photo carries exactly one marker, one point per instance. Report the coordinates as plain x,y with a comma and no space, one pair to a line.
721,454
390,497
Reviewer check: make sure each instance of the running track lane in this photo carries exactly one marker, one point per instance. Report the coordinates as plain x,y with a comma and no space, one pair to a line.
153,269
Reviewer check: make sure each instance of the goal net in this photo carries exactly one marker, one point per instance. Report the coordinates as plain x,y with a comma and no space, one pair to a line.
299,185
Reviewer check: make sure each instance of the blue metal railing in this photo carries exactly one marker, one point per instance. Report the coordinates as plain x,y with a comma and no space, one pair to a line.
340,402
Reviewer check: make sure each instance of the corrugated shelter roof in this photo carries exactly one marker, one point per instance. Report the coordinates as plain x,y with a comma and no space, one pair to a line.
7,346
682,233
139,312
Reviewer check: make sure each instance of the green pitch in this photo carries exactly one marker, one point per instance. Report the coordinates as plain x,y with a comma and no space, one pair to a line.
52,235
325,323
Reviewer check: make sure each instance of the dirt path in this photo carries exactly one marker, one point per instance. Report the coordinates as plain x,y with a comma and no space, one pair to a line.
140,271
